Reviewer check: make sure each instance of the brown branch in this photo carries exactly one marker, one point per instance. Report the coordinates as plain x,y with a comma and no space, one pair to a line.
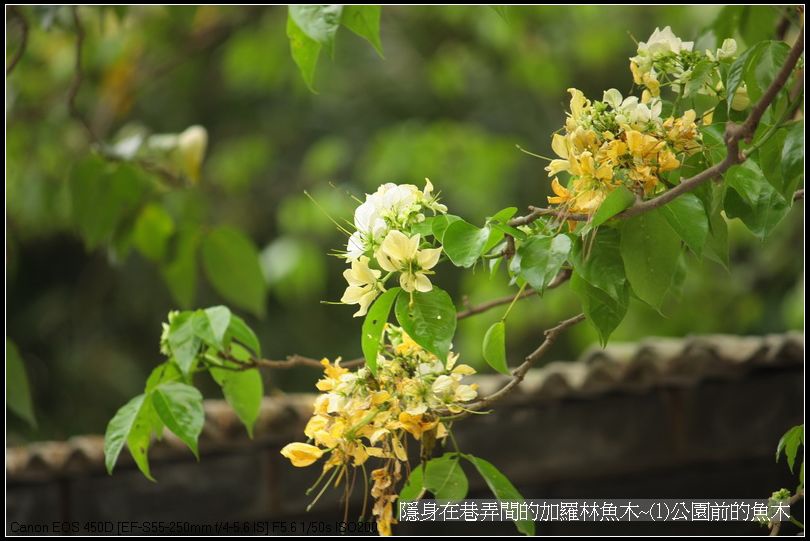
799,194
298,360
777,525
558,280
13,11
734,134
520,372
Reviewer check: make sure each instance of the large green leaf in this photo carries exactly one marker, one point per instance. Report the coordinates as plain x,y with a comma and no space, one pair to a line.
502,488
464,243
232,265
243,389
374,325
180,407
541,258
119,429
686,215
18,392
789,443
495,347
764,68
140,436
445,478
599,262
180,273
305,52
152,231
650,250
602,310
102,195
211,324
240,331
441,223
183,340
616,201
752,199
365,22
739,69
793,159
414,488
429,318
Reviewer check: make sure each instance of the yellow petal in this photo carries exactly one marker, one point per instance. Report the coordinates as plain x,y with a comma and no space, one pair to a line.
301,454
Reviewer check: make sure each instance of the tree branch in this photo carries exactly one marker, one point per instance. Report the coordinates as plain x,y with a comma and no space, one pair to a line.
734,134
13,11
558,280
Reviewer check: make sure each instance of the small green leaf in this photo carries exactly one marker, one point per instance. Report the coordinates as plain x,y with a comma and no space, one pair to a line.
464,243
502,488
243,390
180,407
793,159
738,70
602,310
240,331
18,392
318,22
503,216
616,201
374,324
429,318
364,21
789,443
445,478
183,340
686,215
211,324
118,430
163,373
541,258
152,230
753,199
495,347
232,265
140,436
650,250
441,223
305,52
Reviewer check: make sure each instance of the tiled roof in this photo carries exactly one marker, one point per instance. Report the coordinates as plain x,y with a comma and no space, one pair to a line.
619,368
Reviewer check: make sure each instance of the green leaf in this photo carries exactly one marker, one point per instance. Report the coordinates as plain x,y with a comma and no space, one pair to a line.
365,22
789,443
211,324
305,52
429,318
445,478
140,436
118,430
541,258
616,201
240,331
102,195
163,373
764,68
18,392
599,262
495,347
603,311
183,340
502,488
793,159
650,250
181,273
180,407
701,75
752,199
441,223
232,265
243,390
686,215
318,22
464,243
769,158
738,70
152,231
414,487
374,324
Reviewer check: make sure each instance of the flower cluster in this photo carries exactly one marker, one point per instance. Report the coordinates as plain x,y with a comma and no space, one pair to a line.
363,415
625,141
665,59
384,240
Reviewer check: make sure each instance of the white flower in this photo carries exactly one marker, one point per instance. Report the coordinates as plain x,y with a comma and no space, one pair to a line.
429,200
727,50
363,285
465,393
191,145
400,253
663,43
613,98
444,386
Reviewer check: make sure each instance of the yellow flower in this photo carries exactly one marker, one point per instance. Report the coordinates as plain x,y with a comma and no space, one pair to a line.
641,145
561,193
636,71
363,286
301,454
667,161
578,103
400,253
416,424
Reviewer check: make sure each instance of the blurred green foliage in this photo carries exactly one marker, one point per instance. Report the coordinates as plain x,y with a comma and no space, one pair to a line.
458,89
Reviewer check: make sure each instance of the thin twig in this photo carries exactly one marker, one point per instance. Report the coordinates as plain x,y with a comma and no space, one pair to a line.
734,134
558,280
13,11
299,360
798,195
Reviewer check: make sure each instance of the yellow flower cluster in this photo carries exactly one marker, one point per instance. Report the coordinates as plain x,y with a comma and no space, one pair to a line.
361,415
383,223
617,142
